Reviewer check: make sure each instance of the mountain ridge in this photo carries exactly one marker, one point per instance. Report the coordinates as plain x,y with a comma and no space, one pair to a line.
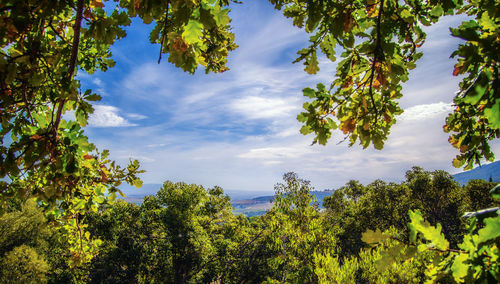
486,172
244,202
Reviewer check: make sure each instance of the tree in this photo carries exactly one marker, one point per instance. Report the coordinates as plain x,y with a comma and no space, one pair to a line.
295,232
477,195
354,208
120,228
32,249
43,46
23,265
380,206
194,228
380,41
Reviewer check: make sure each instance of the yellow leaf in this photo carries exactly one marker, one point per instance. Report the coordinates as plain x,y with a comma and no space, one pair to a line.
372,11
96,4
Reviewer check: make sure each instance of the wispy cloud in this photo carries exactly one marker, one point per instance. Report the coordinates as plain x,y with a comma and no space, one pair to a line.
274,153
426,111
254,107
135,116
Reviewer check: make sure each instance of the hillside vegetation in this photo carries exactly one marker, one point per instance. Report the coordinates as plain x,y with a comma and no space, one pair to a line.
188,234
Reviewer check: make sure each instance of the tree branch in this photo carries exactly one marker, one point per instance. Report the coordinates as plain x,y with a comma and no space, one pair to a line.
376,57
163,32
73,59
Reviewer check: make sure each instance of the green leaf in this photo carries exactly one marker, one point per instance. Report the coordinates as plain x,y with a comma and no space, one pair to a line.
305,130
79,205
459,268
437,11
193,32
491,230
302,117
407,16
488,23
374,237
378,143
388,257
430,233
311,63
493,114
457,163
220,16
309,92
93,97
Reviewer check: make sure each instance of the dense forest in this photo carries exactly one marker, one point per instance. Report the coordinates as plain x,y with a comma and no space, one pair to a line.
188,234
60,221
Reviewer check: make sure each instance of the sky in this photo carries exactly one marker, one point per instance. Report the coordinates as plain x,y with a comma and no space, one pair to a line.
238,130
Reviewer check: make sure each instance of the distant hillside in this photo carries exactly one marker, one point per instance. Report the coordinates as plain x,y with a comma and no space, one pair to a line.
485,172
244,203
259,205
136,195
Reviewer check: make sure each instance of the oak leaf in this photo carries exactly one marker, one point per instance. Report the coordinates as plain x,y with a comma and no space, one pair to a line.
180,45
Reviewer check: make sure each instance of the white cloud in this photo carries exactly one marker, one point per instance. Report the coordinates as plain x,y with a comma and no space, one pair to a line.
136,116
426,111
98,82
156,145
141,158
107,116
276,153
254,107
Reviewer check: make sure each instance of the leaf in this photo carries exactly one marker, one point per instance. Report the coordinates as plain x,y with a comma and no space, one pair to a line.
407,16
374,237
96,4
430,233
36,137
388,257
378,144
180,45
309,92
459,268
79,205
311,63
372,10
348,126
193,32
138,183
491,230
457,163
306,129
437,11
104,177
488,23
220,16
474,96
93,97
493,114
348,21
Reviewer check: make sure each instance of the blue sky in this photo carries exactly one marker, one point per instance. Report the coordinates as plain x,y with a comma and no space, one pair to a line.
238,129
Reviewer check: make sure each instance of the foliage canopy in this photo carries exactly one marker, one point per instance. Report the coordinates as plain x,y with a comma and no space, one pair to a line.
43,46
43,155
379,41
